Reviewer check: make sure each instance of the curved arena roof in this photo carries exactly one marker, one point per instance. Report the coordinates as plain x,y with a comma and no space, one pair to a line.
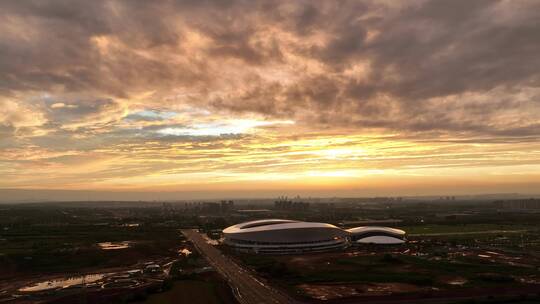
277,235
274,224
282,236
369,229
376,235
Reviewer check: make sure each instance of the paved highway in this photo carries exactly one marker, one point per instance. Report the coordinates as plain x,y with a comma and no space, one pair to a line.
247,288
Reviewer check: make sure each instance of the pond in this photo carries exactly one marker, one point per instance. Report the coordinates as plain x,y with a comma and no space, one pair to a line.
114,245
184,252
63,282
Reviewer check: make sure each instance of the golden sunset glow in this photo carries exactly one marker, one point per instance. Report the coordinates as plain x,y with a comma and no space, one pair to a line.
260,98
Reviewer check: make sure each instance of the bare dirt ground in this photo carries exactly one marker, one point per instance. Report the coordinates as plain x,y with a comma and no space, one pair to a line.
447,286
340,291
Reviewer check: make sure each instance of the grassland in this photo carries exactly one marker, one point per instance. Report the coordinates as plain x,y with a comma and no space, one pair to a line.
49,240
467,228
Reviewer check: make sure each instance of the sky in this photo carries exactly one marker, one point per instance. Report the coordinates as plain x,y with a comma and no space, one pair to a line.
258,98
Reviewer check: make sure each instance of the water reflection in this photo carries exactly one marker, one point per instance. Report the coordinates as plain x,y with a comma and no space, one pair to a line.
114,245
184,252
63,283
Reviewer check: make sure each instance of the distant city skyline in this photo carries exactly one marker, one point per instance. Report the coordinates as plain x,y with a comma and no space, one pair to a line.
253,195
265,98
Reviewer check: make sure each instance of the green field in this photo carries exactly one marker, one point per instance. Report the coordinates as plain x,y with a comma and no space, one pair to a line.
52,240
466,228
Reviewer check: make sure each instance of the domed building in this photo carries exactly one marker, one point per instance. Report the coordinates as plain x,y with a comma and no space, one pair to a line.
285,236
376,235
279,236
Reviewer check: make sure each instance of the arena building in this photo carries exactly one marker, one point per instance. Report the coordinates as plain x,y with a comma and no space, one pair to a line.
376,235
285,236
288,236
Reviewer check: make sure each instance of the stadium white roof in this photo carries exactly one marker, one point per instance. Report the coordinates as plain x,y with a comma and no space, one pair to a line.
367,229
273,224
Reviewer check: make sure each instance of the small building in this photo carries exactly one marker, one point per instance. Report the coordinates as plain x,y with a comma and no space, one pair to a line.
376,235
152,268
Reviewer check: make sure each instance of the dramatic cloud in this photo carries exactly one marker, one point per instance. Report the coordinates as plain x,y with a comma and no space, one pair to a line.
232,90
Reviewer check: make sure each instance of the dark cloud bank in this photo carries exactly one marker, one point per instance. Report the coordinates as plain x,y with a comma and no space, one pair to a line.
452,67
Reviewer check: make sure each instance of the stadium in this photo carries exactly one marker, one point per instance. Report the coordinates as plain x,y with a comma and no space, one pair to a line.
288,236
376,235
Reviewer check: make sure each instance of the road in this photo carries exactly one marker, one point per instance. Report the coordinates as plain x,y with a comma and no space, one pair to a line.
247,288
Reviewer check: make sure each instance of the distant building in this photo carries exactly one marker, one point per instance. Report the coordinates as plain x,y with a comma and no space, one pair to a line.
285,204
152,268
211,208
521,204
227,206
254,211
